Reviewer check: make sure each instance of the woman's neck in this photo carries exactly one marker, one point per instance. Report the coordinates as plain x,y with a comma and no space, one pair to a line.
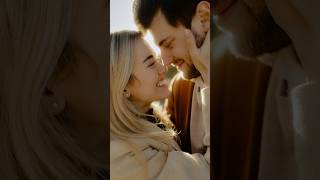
142,107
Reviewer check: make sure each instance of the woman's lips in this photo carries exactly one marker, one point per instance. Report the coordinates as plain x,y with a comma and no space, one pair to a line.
162,83
222,6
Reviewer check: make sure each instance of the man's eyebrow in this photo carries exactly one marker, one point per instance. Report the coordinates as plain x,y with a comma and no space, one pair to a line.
162,41
149,57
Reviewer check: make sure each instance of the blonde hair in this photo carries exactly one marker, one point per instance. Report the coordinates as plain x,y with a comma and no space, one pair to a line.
125,120
35,145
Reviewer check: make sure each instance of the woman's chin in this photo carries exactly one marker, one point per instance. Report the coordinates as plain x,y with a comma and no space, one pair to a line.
164,94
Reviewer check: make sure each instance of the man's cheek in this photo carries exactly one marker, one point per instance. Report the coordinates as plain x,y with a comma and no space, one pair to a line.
181,52
176,49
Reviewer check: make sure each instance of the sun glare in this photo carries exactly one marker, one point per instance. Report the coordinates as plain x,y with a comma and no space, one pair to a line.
121,18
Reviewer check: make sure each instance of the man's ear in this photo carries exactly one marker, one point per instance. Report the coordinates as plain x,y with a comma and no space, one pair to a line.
201,19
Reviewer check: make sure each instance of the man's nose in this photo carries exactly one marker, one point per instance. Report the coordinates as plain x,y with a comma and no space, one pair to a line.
166,57
161,68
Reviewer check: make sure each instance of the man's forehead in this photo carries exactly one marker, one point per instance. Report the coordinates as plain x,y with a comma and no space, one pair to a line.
160,28
159,36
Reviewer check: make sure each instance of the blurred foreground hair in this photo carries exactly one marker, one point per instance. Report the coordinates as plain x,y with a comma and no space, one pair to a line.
34,144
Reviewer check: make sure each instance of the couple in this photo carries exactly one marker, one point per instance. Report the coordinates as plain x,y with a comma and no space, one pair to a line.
144,142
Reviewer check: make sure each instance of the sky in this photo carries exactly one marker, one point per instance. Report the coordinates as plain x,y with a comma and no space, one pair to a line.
121,18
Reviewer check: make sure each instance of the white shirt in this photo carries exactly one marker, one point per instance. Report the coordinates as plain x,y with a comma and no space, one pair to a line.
200,118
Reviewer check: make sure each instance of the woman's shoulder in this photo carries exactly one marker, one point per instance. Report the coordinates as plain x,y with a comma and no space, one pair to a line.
120,147
127,163
117,144
124,147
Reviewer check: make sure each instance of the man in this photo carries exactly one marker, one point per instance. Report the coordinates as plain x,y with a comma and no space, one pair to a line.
168,20
285,35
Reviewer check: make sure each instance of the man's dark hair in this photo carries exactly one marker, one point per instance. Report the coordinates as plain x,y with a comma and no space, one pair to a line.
175,11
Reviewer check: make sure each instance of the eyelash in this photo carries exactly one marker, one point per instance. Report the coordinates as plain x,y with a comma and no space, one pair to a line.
169,46
151,64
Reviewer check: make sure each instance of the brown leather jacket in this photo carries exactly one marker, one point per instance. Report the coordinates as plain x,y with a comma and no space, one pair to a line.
178,105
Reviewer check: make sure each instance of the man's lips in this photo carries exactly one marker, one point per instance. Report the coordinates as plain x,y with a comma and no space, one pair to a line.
222,6
178,63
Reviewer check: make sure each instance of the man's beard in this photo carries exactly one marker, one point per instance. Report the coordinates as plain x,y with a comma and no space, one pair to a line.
264,36
193,72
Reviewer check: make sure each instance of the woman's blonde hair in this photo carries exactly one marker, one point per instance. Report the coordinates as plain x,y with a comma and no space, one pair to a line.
34,144
125,120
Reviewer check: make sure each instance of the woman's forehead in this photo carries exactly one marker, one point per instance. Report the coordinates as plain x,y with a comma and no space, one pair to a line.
142,50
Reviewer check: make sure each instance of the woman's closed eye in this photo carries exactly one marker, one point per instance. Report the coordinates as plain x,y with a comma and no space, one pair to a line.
152,64
149,61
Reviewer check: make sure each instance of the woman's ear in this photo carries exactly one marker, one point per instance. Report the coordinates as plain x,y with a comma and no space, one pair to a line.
201,20
126,93
52,101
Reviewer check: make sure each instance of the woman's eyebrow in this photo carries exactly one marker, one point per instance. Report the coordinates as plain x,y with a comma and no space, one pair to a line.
149,57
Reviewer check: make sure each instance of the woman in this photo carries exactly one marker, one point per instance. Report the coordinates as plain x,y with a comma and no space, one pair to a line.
143,142
52,110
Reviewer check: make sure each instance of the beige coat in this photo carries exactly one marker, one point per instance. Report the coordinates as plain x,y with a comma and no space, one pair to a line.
163,161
